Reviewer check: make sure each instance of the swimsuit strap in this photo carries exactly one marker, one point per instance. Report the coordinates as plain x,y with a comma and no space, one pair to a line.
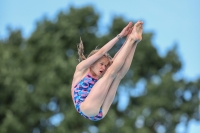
89,73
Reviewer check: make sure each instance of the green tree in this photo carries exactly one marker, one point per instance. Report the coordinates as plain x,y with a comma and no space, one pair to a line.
36,75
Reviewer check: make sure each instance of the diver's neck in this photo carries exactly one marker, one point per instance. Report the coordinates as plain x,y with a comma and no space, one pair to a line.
92,73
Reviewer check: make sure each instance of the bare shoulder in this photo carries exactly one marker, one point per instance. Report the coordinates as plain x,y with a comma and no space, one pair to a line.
78,75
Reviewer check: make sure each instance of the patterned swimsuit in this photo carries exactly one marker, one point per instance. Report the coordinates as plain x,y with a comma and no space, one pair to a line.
81,91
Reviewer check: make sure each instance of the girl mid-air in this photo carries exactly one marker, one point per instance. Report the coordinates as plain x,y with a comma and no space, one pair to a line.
97,77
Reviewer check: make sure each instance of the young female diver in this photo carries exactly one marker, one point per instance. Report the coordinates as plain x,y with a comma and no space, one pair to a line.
92,95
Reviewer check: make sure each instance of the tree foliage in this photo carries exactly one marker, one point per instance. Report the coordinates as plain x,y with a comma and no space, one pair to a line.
36,75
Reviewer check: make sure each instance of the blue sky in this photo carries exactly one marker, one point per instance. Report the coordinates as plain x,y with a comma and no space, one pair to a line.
171,21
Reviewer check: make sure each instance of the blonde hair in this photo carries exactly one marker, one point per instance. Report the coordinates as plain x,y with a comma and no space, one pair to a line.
82,57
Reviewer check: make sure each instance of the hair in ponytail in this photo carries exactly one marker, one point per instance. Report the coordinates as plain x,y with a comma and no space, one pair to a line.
82,57
80,48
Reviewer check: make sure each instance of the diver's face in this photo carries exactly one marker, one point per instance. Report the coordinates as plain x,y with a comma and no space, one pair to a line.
100,66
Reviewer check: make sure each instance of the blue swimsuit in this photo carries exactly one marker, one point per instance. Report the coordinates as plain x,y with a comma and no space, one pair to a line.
81,91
